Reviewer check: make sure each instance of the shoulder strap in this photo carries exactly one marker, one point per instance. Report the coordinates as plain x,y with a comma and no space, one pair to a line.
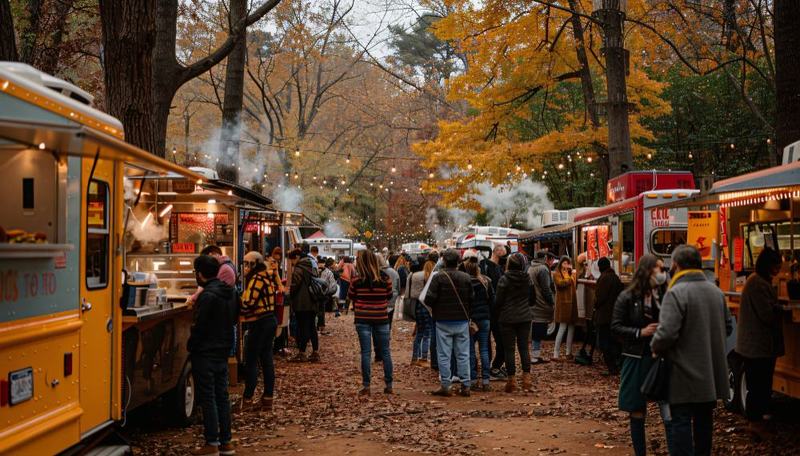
458,296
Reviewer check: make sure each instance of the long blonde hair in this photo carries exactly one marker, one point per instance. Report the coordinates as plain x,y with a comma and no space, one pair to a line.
427,269
401,261
367,267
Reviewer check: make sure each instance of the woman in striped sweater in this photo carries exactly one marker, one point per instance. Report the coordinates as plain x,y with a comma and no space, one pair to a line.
370,292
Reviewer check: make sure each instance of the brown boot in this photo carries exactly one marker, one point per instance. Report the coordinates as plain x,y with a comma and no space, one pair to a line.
266,403
511,384
527,384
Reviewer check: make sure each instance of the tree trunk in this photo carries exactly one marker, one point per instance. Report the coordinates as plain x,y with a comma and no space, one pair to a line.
787,74
8,42
619,137
128,38
587,86
29,36
234,96
49,58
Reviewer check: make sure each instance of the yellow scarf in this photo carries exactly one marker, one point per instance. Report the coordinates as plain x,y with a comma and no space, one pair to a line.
681,274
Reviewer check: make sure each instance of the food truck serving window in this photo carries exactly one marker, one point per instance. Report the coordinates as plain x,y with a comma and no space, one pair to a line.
97,235
663,242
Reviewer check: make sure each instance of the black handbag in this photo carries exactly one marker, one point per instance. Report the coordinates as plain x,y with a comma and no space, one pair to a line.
656,384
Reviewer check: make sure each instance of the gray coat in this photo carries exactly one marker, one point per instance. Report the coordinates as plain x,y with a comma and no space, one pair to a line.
545,302
395,285
760,330
693,325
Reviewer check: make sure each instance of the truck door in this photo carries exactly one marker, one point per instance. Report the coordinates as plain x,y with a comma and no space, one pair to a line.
96,286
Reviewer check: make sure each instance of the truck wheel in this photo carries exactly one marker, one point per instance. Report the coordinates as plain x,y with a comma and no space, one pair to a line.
182,401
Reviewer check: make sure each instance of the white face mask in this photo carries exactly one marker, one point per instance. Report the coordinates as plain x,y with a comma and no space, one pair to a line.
661,278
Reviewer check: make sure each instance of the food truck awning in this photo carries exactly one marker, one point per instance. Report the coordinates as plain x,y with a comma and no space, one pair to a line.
249,196
80,141
779,176
551,232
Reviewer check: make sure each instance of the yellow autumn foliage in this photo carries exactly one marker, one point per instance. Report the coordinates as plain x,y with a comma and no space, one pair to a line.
522,93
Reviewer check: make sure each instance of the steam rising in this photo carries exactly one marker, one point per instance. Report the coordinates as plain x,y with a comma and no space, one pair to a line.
333,229
521,203
288,198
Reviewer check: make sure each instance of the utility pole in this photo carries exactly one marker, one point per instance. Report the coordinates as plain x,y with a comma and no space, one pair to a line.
611,15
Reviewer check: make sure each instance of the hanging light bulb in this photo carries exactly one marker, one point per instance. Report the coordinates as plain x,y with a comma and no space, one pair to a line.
469,164
733,146
769,140
589,159
174,150
430,175
394,168
297,152
690,155
649,156
296,176
314,177
560,166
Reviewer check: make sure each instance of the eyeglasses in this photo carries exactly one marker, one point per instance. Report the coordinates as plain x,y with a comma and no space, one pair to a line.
249,264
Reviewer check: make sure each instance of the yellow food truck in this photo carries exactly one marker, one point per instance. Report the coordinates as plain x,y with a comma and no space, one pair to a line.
96,243
731,224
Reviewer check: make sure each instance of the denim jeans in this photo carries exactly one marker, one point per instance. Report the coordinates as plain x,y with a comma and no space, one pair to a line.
434,348
422,339
690,429
450,336
258,349
482,339
211,381
381,335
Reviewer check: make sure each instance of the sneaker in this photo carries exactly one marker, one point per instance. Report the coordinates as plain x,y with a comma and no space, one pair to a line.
498,375
206,450
227,449
444,392
455,379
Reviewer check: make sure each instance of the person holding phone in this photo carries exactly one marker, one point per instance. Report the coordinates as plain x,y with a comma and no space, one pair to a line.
566,313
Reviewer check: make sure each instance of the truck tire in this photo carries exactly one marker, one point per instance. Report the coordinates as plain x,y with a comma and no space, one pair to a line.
183,398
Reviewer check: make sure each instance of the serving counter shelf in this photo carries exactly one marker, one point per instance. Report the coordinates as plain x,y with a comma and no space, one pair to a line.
33,250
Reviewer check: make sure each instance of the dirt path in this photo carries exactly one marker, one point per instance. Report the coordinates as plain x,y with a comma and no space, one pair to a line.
571,411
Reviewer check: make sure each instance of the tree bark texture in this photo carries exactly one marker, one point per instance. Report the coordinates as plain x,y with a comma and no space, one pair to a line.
234,97
620,157
142,73
128,28
8,42
787,72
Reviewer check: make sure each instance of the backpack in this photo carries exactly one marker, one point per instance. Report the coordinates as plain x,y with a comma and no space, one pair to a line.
318,289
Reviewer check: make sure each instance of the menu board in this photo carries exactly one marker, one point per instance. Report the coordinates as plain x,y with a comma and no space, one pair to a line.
602,241
702,231
591,243
738,254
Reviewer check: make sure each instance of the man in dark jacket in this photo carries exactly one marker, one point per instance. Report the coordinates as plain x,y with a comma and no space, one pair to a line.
607,290
210,342
693,325
450,297
491,268
544,303
303,305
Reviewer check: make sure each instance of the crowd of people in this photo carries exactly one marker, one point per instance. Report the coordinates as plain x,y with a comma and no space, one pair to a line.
478,320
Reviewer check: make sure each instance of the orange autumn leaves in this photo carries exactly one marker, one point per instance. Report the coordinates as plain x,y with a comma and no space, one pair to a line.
523,96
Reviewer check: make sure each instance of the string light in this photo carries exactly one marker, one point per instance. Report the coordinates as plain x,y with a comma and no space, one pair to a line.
691,156
296,176
733,146
589,159
297,152
314,177
560,166
469,164
174,151
348,158
430,175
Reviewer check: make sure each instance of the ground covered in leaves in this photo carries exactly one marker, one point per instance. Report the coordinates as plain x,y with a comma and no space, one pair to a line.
572,410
